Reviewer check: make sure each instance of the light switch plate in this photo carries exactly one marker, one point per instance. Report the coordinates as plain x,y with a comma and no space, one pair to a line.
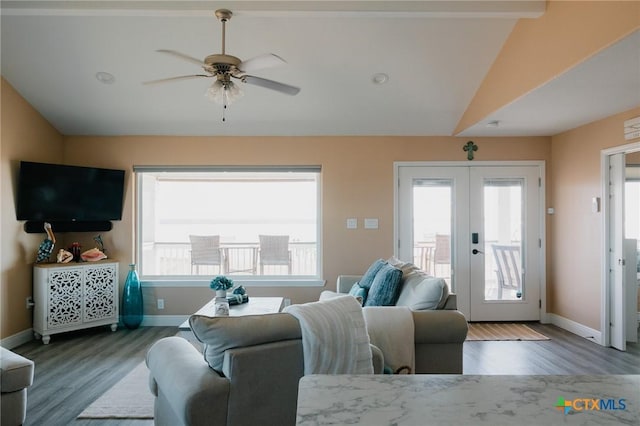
371,223
352,223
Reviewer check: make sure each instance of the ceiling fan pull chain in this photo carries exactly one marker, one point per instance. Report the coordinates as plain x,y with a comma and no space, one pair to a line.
224,104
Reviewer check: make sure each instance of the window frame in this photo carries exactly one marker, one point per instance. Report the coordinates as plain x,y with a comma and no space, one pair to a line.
247,280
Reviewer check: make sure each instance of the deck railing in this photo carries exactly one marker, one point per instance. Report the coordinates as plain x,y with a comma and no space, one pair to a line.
174,259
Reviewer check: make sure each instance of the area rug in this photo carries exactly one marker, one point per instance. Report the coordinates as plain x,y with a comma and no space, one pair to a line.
130,398
502,331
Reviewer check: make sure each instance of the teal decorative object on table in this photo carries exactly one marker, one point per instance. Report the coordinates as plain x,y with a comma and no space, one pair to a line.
237,296
221,284
132,299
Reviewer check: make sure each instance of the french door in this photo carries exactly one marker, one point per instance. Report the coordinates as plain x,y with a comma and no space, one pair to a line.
478,227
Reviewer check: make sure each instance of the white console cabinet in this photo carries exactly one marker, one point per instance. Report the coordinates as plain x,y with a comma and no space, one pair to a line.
73,296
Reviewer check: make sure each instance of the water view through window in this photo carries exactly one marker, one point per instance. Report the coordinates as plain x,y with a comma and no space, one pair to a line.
258,223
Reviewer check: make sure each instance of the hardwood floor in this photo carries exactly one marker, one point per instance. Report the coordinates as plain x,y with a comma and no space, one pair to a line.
76,368
565,353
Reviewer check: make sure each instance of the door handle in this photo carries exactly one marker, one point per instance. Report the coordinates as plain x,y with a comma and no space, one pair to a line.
476,251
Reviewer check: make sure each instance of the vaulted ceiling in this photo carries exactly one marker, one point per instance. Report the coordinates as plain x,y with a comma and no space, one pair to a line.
435,54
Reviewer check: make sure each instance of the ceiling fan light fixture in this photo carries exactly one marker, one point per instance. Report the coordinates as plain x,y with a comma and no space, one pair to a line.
224,93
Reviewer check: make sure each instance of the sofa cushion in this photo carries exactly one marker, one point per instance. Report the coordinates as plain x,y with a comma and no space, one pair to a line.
385,287
421,291
367,279
221,333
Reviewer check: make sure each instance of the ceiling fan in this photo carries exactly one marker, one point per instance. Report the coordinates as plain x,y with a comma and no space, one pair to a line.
225,68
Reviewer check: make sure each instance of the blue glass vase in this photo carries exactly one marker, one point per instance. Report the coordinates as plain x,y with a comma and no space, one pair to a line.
132,300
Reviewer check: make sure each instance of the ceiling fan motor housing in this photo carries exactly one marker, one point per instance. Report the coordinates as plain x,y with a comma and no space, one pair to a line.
222,63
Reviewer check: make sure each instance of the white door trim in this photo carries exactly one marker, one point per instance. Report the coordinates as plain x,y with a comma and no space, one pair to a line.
605,285
544,317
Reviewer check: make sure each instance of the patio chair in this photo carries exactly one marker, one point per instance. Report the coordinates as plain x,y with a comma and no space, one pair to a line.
205,250
274,250
442,255
508,261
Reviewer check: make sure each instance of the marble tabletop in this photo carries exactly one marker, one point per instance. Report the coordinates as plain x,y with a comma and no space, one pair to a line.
415,400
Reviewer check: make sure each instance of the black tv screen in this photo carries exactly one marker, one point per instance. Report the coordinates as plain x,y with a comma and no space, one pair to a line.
53,192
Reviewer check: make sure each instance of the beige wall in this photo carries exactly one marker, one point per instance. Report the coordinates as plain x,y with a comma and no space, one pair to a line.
576,232
24,135
357,181
538,50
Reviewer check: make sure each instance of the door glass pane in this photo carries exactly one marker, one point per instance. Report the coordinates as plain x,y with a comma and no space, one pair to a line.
432,222
503,224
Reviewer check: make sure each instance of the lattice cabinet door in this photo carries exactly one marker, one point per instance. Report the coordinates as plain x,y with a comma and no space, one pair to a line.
74,296
64,304
100,293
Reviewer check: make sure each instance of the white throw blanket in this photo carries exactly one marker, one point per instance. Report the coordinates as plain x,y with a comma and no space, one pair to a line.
334,336
391,329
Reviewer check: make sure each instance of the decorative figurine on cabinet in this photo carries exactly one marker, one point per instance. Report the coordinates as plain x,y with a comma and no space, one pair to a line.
46,247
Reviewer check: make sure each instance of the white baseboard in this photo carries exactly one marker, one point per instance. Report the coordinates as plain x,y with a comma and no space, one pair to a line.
163,320
576,328
17,339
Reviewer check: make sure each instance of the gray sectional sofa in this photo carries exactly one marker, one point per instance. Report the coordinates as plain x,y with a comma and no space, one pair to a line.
251,365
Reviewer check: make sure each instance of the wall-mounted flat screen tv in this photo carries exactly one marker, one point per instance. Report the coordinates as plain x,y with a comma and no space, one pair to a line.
53,192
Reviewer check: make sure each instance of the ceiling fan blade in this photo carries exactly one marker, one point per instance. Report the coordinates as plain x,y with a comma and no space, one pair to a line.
267,60
182,77
182,56
270,84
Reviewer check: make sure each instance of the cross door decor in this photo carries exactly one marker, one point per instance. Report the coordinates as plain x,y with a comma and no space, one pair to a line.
470,147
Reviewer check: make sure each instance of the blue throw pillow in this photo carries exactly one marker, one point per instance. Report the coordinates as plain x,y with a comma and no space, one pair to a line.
385,288
367,278
357,291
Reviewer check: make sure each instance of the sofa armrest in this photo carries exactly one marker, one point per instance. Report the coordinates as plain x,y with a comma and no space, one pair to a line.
451,303
439,339
345,282
196,393
439,326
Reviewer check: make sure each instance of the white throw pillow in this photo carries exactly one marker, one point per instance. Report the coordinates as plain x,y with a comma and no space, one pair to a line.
328,294
421,291
407,268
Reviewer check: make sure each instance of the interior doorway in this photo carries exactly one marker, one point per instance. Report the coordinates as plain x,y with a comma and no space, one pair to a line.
621,251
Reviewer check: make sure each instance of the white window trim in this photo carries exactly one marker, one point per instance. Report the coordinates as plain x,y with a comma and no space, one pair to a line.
248,280
240,279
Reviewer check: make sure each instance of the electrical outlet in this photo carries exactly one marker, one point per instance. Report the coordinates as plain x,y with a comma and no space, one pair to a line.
160,303
29,302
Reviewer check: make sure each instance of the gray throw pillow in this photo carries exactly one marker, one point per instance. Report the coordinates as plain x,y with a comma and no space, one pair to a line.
367,278
221,333
385,287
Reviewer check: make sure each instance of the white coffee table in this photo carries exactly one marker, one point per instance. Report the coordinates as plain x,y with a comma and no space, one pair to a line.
255,306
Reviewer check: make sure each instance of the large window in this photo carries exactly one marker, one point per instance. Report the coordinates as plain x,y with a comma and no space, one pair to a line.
252,224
